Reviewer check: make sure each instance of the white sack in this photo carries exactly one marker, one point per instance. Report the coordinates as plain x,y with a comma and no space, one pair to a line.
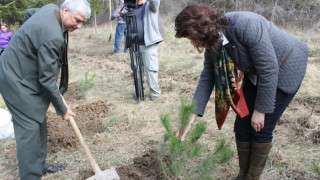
6,125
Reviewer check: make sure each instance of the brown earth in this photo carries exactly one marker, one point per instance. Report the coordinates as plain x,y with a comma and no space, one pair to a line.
62,137
132,125
145,167
60,133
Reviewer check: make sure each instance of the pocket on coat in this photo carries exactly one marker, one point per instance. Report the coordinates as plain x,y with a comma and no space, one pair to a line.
31,89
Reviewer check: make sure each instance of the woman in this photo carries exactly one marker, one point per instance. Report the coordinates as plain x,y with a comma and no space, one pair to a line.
5,36
273,62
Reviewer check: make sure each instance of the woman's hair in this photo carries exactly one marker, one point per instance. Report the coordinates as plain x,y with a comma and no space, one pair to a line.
77,6
202,26
5,25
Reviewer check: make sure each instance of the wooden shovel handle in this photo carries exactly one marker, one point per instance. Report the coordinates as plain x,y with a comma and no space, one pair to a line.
93,162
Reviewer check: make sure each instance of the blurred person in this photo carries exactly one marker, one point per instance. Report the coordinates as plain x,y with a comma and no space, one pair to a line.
271,63
121,29
5,36
29,68
147,14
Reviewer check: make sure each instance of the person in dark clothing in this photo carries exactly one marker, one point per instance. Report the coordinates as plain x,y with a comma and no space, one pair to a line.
29,68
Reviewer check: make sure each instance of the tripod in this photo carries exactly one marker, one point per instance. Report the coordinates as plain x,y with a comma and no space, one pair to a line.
135,54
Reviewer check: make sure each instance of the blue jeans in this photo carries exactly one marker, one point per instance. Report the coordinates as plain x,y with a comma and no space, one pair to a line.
242,127
121,30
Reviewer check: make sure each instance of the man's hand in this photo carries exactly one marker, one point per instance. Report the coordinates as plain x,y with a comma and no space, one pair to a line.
257,120
121,12
69,111
68,114
183,134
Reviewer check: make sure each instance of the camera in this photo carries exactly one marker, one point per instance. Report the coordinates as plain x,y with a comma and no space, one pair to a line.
130,3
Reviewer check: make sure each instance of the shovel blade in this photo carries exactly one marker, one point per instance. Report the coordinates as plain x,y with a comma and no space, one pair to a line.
108,174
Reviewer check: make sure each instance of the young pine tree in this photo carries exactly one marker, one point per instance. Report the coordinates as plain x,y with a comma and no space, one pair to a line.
183,159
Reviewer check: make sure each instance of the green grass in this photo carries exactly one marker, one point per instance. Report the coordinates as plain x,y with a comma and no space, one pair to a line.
131,128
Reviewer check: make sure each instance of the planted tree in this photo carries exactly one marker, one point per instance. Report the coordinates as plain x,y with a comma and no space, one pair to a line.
183,159
84,85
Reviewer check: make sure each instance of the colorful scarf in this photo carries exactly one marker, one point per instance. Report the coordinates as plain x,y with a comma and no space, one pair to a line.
228,88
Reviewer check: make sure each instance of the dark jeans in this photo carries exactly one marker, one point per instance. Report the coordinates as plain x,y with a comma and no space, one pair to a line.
121,30
242,127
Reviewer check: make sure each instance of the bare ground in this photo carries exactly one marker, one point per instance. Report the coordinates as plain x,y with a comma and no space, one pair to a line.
124,134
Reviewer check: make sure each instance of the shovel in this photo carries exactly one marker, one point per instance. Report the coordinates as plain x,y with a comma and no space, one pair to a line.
108,174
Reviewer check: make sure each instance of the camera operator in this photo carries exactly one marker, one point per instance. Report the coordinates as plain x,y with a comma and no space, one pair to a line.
149,36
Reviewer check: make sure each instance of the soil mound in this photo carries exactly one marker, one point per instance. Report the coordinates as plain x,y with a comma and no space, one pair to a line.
88,118
143,168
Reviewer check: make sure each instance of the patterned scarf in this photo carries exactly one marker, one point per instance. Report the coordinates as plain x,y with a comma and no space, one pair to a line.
228,88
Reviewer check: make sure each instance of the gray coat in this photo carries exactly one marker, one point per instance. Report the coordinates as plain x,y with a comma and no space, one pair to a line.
151,23
30,65
258,48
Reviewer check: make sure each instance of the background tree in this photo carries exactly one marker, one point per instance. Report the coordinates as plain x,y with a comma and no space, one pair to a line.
96,7
284,13
11,11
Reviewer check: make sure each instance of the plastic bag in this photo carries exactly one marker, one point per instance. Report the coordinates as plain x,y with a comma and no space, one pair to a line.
6,125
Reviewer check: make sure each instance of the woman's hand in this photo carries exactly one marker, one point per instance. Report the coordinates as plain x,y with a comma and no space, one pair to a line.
183,134
257,120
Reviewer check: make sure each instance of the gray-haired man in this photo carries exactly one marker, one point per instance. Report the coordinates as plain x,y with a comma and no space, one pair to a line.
29,69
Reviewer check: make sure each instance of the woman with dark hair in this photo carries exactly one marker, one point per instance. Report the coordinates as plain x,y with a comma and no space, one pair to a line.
244,46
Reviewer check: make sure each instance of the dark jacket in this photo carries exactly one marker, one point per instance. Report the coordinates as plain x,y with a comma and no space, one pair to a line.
30,65
259,49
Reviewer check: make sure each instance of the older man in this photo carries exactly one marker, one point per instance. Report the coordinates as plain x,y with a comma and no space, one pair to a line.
29,69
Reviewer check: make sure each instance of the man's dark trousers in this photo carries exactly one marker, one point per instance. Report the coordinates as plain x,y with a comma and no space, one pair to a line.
29,140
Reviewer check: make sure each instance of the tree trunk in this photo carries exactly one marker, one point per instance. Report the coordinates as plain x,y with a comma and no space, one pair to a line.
110,24
95,21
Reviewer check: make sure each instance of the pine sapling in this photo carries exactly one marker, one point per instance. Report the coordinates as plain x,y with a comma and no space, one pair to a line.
84,85
180,159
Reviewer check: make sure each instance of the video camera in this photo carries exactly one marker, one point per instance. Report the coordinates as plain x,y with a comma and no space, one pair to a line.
130,3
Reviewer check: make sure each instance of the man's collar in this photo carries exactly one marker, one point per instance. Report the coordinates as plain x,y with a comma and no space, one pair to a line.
58,16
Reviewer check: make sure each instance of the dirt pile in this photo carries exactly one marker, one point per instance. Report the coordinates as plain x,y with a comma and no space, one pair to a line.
88,118
143,168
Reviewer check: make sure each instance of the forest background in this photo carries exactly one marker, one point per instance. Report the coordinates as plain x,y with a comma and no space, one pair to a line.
285,13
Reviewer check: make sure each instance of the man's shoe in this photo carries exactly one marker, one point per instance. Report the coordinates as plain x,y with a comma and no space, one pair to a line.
153,98
53,169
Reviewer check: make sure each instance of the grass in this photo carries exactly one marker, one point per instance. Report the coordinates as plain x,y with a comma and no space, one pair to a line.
3,106
132,128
